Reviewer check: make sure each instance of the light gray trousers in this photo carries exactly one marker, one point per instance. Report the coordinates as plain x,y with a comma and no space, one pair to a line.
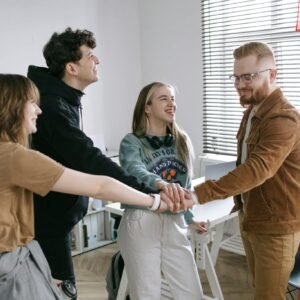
25,275
152,243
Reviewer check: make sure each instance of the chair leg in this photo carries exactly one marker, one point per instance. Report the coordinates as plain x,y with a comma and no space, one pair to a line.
290,291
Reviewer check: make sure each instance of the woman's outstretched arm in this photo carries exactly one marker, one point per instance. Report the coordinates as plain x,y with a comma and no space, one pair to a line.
100,187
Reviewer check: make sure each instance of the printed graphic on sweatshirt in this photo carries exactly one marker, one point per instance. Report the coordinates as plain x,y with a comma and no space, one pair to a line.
169,169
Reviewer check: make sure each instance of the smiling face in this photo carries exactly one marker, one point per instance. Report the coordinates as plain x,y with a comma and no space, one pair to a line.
83,72
31,112
254,73
162,107
261,86
87,66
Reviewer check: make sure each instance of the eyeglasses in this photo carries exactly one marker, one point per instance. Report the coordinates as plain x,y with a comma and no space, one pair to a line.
245,78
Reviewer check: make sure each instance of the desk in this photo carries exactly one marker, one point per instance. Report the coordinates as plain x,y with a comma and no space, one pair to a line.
216,213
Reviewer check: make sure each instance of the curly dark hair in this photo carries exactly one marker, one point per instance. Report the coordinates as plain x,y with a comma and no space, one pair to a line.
65,47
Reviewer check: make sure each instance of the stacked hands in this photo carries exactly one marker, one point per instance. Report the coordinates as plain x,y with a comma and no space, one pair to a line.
176,198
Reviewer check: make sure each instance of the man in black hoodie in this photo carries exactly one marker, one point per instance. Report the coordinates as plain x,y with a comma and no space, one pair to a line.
72,66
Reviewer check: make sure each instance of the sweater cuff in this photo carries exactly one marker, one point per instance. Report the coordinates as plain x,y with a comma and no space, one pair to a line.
188,216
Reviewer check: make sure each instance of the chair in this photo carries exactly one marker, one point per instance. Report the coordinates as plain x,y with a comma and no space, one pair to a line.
294,281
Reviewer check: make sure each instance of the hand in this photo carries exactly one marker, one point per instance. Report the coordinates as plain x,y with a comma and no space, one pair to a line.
166,202
200,227
177,198
190,199
163,205
177,195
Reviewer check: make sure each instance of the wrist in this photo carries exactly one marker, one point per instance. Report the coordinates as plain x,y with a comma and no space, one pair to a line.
159,184
156,202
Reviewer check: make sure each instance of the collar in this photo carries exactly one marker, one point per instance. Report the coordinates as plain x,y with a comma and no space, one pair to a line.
262,108
272,100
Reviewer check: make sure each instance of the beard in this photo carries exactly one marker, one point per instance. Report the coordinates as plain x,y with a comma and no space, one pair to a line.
256,97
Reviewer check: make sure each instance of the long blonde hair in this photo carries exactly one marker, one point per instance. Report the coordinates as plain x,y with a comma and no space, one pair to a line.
140,124
15,91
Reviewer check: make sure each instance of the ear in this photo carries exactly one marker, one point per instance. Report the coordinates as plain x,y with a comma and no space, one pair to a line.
71,69
147,109
273,75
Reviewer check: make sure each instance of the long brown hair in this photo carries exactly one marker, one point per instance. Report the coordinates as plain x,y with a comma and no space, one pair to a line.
140,124
15,91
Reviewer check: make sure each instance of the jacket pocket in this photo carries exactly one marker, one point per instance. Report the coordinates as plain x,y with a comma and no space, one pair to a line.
252,141
257,205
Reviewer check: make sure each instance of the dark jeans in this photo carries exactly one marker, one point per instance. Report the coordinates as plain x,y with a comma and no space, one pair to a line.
59,255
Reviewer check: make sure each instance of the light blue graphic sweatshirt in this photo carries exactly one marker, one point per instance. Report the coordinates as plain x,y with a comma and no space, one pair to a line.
148,165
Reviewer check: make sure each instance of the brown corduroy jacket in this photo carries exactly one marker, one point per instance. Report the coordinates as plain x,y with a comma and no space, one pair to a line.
270,177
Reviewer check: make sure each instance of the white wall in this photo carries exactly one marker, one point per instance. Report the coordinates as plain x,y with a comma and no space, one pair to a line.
26,26
171,52
148,41
121,67
138,41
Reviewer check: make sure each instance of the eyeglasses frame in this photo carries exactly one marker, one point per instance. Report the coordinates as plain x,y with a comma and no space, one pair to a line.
236,79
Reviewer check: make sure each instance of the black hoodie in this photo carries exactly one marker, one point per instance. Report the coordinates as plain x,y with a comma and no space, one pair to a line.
60,137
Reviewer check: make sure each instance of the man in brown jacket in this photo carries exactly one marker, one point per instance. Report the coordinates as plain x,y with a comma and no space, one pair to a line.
266,182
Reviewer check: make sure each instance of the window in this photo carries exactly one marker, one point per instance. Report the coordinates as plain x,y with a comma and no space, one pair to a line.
226,24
